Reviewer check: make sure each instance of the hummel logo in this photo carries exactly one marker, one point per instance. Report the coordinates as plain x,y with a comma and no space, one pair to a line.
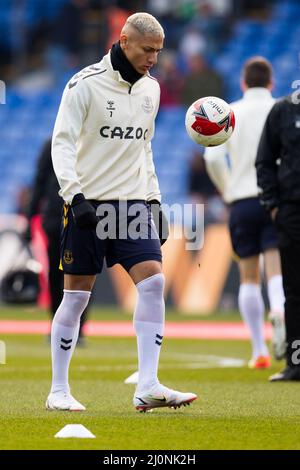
66,341
86,73
110,107
158,340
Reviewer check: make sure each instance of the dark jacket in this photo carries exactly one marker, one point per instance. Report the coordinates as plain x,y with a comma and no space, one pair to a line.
278,155
44,198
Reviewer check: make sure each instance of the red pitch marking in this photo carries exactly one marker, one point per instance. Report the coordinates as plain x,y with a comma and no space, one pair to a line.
193,330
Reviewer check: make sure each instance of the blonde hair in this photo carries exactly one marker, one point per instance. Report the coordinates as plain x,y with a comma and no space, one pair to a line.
145,23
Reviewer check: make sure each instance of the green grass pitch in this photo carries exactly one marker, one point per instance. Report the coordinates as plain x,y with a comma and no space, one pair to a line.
236,408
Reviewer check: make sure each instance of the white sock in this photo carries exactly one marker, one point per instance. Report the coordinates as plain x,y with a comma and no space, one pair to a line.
251,306
148,321
276,295
64,335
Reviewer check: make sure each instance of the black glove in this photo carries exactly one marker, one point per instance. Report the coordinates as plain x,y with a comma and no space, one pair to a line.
160,221
83,212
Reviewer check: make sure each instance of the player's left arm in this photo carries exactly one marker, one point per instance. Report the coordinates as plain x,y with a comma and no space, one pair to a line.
153,191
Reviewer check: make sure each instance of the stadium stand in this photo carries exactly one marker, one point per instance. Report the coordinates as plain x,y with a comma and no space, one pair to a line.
27,118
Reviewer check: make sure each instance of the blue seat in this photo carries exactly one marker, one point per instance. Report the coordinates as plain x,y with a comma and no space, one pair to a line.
33,114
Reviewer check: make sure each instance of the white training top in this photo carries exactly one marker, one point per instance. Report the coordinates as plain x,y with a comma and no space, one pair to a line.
235,178
101,140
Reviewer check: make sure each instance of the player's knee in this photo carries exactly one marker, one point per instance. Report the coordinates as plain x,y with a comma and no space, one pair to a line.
250,280
144,270
157,282
249,276
153,284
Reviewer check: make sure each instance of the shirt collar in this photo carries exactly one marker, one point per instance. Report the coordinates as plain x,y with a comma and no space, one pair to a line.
115,73
257,92
120,63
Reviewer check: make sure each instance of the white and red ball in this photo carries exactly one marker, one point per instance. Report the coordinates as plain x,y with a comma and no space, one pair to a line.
209,121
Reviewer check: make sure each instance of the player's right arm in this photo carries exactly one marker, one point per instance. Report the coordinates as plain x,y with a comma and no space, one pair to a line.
216,166
70,118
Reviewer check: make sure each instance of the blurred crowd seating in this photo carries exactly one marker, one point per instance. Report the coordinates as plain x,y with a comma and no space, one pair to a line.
27,118
277,39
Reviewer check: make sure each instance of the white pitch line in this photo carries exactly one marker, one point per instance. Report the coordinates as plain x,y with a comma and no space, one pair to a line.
201,362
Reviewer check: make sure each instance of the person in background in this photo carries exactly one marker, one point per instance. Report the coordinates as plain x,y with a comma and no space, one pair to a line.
170,80
200,80
251,229
278,176
66,41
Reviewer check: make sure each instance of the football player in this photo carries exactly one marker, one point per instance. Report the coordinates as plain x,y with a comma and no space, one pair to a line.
102,156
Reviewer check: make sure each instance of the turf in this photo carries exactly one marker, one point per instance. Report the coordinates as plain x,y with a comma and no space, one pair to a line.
25,312
237,408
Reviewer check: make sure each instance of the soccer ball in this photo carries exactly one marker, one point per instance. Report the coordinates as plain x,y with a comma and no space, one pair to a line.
209,121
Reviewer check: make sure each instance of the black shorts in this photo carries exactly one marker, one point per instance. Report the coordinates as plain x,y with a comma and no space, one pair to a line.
251,228
83,250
